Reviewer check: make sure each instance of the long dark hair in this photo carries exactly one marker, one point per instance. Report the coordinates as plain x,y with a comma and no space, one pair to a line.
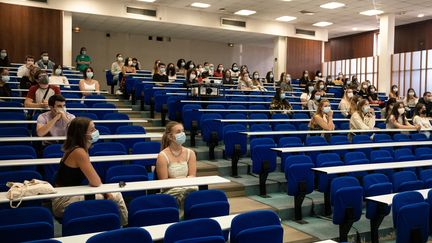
396,114
390,102
76,134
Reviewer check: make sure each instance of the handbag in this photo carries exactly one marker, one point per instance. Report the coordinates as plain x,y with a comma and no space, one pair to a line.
18,190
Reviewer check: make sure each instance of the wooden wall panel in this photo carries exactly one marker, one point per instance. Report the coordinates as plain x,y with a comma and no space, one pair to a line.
302,55
29,31
351,46
413,37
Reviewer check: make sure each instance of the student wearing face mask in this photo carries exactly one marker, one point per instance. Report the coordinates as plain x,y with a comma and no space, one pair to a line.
340,80
321,87
427,101
75,166
304,79
386,112
318,76
116,68
235,71
45,62
127,69
171,72
398,119
411,99
57,78
269,77
4,58
136,64
421,119
394,92
227,78
54,122
363,118
160,75
38,95
322,119
373,96
88,85
280,102
353,82
306,95
219,72
29,80
5,90
345,104
314,101
191,78
285,82
211,69
364,90
24,70
181,66
176,161
257,82
190,65
245,83
82,60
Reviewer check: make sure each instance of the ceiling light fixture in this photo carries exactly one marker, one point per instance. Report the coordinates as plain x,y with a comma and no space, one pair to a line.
322,24
420,15
200,5
332,5
147,1
355,28
286,18
245,12
372,12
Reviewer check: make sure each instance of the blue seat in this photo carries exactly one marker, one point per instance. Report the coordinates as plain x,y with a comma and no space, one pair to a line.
406,181
175,107
130,235
344,125
150,147
103,130
358,139
338,140
426,177
52,151
263,160
127,173
283,127
279,116
260,128
115,116
15,132
11,104
235,144
105,149
300,180
423,153
9,152
257,107
237,107
152,210
130,129
382,138
382,156
356,158
346,196
285,142
206,204
240,116
300,115
26,224
315,141
410,217
211,131
101,114
194,230
258,116
191,117
404,154
90,216
90,100
17,176
419,137
256,226
13,116
89,115
401,137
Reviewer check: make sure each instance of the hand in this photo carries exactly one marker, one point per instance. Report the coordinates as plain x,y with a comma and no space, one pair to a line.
371,110
330,114
108,196
44,104
418,127
58,116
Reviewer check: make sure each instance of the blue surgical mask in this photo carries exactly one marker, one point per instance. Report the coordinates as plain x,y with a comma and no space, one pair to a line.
366,109
95,136
282,96
317,97
327,109
180,138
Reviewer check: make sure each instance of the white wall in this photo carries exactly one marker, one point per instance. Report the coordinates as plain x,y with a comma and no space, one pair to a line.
102,50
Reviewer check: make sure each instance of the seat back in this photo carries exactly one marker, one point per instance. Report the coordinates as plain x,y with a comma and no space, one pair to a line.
232,138
130,235
194,228
374,185
346,197
406,181
299,174
152,210
206,204
150,147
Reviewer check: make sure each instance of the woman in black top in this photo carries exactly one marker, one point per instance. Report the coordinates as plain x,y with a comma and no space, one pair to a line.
75,166
5,90
4,59
304,78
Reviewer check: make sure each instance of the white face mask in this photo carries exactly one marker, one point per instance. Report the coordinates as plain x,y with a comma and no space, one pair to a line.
317,97
365,86
372,90
45,58
162,70
192,76
271,76
327,109
366,109
89,75
130,63
311,88
401,111
3,54
5,78
256,76
58,71
350,95
120,59
395,90
411,93
321,86
191,66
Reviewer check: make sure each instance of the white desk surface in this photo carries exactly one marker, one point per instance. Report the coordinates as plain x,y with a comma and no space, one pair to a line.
116,136
157,232
326,241
69,109
68,99
50,161
388,198
277,120
95,121
70,91
351,146
326,132
14,82
130,186
162,83
248,110
372,166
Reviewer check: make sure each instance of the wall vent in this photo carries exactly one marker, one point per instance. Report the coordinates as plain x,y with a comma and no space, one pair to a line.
233,22
39,1
305,32
141,11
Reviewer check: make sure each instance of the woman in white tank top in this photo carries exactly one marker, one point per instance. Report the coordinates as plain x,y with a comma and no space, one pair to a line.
88,83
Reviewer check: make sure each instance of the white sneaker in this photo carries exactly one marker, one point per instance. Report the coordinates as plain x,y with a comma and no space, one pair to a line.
118,92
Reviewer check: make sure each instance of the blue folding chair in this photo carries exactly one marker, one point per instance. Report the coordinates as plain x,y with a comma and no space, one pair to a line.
130,235
89,115
324,180
150,147
315,141
356,158
101,114
406,181
235,144
115,116
422,153
194,230
130,129
285,142
106,149
211,131
206,204
263,160
9,152
153,210
90,100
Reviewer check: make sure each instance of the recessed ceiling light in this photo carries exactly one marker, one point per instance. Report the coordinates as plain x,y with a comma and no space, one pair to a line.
200,5
245,12
286,0
372,12
286,18
355,28
332,5
147,1
322,24
420,15
307,12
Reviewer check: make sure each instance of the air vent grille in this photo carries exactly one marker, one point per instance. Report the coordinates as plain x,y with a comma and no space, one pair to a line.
232,22
305,32
141,11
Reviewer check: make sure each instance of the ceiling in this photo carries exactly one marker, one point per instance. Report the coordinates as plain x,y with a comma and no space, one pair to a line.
344,19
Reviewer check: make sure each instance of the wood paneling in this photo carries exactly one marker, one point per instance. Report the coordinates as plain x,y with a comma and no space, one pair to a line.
351,46
413,37
29,31
302,55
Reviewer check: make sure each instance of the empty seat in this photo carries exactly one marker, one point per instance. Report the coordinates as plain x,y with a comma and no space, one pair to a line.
374,185
235,144
130,235
150,147
406,181
115,116
130,129
263,160
194,230
206,204
152,210
356,158
109,108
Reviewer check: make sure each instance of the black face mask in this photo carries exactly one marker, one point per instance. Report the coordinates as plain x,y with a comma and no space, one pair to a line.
423,112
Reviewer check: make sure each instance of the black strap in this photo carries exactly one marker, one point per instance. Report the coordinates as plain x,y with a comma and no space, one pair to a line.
46,93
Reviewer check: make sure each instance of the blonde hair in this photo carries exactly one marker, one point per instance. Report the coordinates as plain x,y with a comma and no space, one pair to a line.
319,110
168,129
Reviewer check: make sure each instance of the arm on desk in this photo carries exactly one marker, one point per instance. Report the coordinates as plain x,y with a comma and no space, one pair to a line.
83,161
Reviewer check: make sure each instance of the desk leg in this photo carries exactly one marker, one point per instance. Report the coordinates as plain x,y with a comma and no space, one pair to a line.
327,204
90,197
203,187
376,222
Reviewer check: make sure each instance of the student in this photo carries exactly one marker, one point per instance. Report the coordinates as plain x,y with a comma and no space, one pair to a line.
116,68
57,78
318,76
227,78
160,74
398,120
394,92
24,70
82,60
181,66
363,118
373,96
29,80
4,58
176,161
155,67
136,64
75,167
191,78
190,65
354,83
171,73
219,72
235,72
314,102
38,95
427,101
245,83
45,62
269,77
280,102
410,99
307,94
257,82
127,69
385,113
339,80
55,121
322,119
88,83
364,90
345,103
304,78
421,119
321,87
211,69
5,90
285,82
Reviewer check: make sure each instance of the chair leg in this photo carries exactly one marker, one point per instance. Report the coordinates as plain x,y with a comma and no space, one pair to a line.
263,178
212,145
416,236
327,205
376,222
234,161
133,97
298,200
163,114
194,129
152,107
142,101
112,89
345,227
